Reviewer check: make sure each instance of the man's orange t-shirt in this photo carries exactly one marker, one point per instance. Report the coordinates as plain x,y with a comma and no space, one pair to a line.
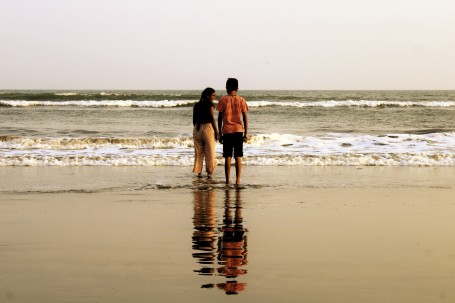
232,108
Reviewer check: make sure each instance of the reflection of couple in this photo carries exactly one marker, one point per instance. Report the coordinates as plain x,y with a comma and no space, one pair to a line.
222,249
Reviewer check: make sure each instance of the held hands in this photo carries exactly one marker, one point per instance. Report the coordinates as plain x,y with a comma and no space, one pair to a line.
219,137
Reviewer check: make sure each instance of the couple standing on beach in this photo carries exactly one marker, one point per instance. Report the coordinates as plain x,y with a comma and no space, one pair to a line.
232,130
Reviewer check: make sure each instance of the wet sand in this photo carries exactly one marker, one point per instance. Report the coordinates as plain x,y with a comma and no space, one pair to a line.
291,234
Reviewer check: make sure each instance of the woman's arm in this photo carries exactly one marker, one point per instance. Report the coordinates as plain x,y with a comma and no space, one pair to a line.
212,113
194,117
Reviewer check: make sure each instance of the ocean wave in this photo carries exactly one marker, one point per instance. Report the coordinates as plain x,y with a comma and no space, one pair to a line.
395,159
75,95
107,160
69,94
262,149
24,143
253,104
258,143
354,103
331,143
95,103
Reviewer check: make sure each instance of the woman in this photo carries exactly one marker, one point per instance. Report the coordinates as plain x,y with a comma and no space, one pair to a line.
205,132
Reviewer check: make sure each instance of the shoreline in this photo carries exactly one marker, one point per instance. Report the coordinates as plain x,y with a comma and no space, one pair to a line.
105,178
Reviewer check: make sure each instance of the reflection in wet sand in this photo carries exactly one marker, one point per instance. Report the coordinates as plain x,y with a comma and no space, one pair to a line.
205,230
221,247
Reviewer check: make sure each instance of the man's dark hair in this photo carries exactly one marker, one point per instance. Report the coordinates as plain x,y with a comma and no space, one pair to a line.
232,84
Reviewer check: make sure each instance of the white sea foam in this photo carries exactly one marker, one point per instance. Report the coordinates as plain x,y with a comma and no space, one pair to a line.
339,143
176,103
418,159
94,103
29,143
436,149
68,94
107,160
353,103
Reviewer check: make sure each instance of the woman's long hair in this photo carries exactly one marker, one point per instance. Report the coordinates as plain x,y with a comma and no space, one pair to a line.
206,93
205,97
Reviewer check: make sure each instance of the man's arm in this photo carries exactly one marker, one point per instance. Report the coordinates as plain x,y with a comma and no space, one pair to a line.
220,124
245,125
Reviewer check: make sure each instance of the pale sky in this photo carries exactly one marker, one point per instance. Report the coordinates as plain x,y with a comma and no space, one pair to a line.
191,44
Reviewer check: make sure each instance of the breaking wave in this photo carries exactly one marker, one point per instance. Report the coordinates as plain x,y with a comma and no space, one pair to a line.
332,149
94,103
395,159
189,103
17,142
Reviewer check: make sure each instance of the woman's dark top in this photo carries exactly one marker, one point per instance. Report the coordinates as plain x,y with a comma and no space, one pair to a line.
202,113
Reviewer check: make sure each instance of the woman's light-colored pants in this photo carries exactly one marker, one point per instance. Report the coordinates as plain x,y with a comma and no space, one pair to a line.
204,147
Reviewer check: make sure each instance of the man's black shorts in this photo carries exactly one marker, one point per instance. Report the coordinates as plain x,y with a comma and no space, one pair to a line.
233,141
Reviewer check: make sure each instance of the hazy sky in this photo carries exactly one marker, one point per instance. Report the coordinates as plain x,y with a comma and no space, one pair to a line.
191,44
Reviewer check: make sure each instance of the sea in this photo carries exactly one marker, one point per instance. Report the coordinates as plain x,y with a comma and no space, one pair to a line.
287,128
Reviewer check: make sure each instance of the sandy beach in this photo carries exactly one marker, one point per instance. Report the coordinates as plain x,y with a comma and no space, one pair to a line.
291,234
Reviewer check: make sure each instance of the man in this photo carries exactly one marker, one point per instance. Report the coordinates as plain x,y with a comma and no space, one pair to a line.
233,127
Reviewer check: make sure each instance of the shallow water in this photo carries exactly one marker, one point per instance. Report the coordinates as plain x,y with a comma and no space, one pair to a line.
95,179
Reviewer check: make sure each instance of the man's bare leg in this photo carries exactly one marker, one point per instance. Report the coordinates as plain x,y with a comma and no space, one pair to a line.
238,169
227,168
